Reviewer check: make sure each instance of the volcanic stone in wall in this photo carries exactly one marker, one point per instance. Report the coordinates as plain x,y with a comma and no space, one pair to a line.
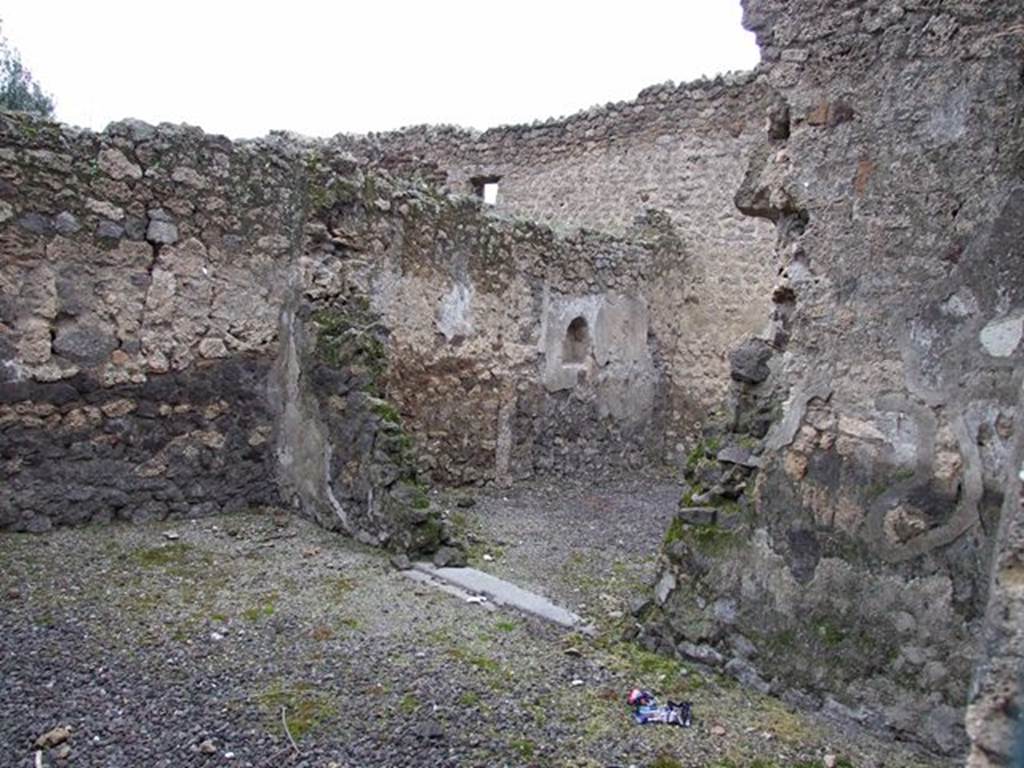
858,581
194,442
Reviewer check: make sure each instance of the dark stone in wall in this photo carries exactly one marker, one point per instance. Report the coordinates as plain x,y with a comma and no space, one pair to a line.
191,443
83,343
749,362
872,516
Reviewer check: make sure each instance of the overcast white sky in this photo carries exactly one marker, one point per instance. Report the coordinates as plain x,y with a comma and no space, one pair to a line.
320,67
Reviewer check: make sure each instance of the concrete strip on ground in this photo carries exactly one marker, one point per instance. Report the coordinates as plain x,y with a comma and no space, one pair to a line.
501,592
451,589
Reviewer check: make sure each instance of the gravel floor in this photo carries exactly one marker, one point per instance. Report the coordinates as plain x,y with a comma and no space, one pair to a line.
191,643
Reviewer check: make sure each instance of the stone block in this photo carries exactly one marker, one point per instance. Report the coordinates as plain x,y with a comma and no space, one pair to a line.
84,343
746,674
702,654
161,232
735,454
748,363
697,515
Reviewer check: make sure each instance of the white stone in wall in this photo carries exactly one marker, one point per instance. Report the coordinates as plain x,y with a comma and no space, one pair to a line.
1001,337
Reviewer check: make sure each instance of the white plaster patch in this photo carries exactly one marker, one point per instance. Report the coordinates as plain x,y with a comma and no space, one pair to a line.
798,272
948,122
559,314
860,429
454,314
960,304
1000,338
903,434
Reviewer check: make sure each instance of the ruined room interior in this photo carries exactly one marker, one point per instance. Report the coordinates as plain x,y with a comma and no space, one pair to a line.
730,373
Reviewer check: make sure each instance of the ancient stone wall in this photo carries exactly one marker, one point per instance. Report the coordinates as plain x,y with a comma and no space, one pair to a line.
134,322
191,325
847,561
680,150
486,367
996,697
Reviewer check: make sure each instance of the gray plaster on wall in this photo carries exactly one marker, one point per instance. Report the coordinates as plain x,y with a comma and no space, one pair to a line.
618,368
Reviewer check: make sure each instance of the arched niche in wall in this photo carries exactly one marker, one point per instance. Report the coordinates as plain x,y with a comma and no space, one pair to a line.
576,344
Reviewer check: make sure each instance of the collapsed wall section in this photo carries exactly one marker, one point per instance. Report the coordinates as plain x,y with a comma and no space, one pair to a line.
858,577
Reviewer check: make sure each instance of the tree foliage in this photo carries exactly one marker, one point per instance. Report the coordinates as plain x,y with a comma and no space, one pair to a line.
18,89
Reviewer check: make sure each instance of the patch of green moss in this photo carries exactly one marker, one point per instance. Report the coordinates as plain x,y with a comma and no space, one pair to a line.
687,501
477,659
790,728
428,535
875,490
778,644
706,448
263,609
459,522
419,499
524,747
345,339
324,187
665,760
676,532
749,442
164,555
646,668
370,187
707,539
830,633
728,507
305,708
387,411
408,704
712,540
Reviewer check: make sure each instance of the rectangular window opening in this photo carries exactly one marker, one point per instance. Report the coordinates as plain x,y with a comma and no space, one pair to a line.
486,188
491,193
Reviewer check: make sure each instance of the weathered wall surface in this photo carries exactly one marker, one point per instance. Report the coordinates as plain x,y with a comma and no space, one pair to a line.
681,150
134,321
478,312
859,575
996,700
185,321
